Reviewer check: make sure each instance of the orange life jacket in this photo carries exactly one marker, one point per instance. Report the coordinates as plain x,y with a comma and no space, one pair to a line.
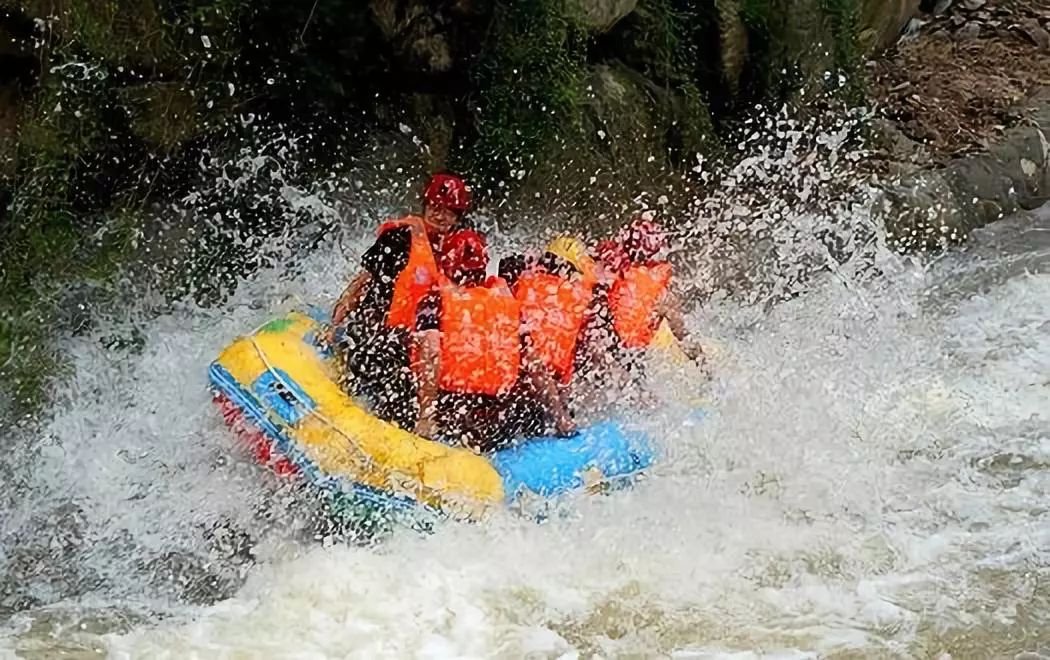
417,278
552,313
633,299
480,345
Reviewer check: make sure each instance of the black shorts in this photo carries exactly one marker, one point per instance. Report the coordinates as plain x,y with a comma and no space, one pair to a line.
378,369
488,423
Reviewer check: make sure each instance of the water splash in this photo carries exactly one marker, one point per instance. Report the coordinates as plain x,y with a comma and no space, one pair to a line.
871,479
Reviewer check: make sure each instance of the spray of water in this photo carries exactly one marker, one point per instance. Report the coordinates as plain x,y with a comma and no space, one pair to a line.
872,477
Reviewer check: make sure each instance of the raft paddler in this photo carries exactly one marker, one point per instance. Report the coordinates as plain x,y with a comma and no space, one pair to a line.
377,311
556,295
476,385
640,298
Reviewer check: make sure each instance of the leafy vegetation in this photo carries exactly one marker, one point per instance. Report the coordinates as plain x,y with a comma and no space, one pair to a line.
120,101
528,85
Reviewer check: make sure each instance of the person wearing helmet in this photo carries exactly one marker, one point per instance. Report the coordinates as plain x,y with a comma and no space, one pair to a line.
598,364
513,266
376,313
556,293
468,355
640,298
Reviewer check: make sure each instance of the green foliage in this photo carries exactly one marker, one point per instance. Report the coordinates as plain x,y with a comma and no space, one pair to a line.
664,29
696,131
79,161
757,14
528,80
844,16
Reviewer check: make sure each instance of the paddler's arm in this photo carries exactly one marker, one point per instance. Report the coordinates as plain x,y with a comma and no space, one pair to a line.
670,309
597,343
382,262
602,356
426,362
351,297
425,366
546,388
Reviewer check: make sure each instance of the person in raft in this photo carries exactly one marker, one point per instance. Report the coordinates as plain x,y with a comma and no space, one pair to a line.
640,298
599,363
375,315
556,294
477,384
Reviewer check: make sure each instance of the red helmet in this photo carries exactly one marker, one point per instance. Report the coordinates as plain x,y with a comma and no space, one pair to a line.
643,239
447,191
463,251
612,255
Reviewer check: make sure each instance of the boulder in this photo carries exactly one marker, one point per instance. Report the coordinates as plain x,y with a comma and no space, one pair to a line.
929,209
417,34
802,41
629,136
732,33
882,21
601,15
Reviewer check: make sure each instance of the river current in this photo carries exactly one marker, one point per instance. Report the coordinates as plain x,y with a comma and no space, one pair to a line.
872,480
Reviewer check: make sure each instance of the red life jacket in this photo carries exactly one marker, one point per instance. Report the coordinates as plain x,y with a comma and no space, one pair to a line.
417,278
480,344
552,313
633,299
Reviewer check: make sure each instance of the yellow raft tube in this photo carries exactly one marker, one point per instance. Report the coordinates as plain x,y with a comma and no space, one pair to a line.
286,386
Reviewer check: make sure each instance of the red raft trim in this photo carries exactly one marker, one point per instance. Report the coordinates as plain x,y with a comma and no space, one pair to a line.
254,439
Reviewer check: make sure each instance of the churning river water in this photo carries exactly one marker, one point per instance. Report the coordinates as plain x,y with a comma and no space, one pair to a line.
872,480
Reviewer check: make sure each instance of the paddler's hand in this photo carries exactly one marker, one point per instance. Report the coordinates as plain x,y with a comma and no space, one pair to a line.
426,427
693,350
328,336
565,427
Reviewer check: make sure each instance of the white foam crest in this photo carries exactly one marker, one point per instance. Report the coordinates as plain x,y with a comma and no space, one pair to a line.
830,502
868,461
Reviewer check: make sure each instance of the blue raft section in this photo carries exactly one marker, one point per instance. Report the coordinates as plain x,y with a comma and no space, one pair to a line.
550,467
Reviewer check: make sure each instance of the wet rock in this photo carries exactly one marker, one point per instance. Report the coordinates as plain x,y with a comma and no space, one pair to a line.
973,5
928,209
941,35
601,15
1034,31
733,36
418,35
630,130
941,7
882,21
971,30
902,149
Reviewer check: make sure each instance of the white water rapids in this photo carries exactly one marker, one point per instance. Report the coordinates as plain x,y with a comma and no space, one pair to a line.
873,480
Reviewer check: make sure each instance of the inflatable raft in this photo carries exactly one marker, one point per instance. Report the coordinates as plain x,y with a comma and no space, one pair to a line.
277,389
